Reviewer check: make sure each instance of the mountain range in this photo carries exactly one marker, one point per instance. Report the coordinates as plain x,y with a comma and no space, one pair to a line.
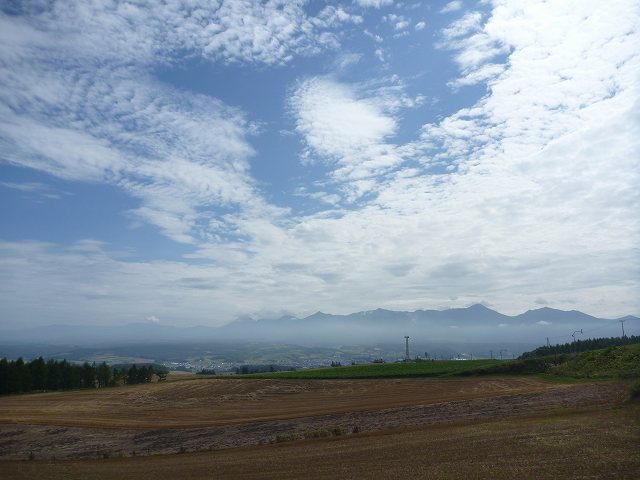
476,323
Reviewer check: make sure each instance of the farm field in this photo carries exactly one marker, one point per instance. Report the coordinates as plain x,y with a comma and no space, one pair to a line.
196,414
205,402
599,443
387,370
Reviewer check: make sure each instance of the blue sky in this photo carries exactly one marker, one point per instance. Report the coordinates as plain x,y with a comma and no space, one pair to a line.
192,162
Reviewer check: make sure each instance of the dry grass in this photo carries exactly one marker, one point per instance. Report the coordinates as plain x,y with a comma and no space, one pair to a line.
598,443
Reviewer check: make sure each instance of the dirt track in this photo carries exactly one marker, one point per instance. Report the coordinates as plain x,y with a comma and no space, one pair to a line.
231,413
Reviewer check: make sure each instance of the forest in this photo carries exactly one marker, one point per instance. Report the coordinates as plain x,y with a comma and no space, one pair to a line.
18,376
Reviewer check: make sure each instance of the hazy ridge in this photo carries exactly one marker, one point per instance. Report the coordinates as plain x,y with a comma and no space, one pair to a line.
476,323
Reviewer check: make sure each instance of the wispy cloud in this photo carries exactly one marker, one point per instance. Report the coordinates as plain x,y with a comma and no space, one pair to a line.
453,6
40,190
347,129
180,154
373,3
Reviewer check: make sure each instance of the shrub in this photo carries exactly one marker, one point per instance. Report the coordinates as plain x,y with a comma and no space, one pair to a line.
316,433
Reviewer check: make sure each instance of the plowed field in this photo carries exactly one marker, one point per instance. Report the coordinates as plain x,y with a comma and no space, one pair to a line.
391,428
200,402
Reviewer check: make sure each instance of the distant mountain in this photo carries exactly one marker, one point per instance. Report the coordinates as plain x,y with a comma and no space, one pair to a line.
549,315
476,323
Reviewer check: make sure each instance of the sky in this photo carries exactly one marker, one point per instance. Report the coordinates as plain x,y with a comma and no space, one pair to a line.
190,162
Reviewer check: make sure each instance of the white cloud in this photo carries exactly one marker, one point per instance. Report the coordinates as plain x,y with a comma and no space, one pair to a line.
77,100
484,73
347,60
376,38
373,3
420,26
340,127
38,190
453,6
263,32
470,22
349,127
474,44
543,175
175,153
533,169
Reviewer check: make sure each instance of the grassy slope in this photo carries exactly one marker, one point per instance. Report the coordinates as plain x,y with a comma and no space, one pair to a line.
621,361
612,362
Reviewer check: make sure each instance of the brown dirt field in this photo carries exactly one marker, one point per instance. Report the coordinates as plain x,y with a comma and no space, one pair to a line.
216,414
192,403
595,443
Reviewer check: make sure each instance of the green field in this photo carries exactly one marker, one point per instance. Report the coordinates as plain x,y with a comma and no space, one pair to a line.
441,368
612,362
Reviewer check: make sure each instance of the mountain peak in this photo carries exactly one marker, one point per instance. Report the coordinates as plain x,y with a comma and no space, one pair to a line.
318,314
478,306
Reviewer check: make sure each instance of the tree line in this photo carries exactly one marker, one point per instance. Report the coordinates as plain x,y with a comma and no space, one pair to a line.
18,376
581,346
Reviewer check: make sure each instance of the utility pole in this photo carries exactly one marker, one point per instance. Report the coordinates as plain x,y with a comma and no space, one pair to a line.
548,344
501,353
574,335
574,338
406,339
622,320
491,352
